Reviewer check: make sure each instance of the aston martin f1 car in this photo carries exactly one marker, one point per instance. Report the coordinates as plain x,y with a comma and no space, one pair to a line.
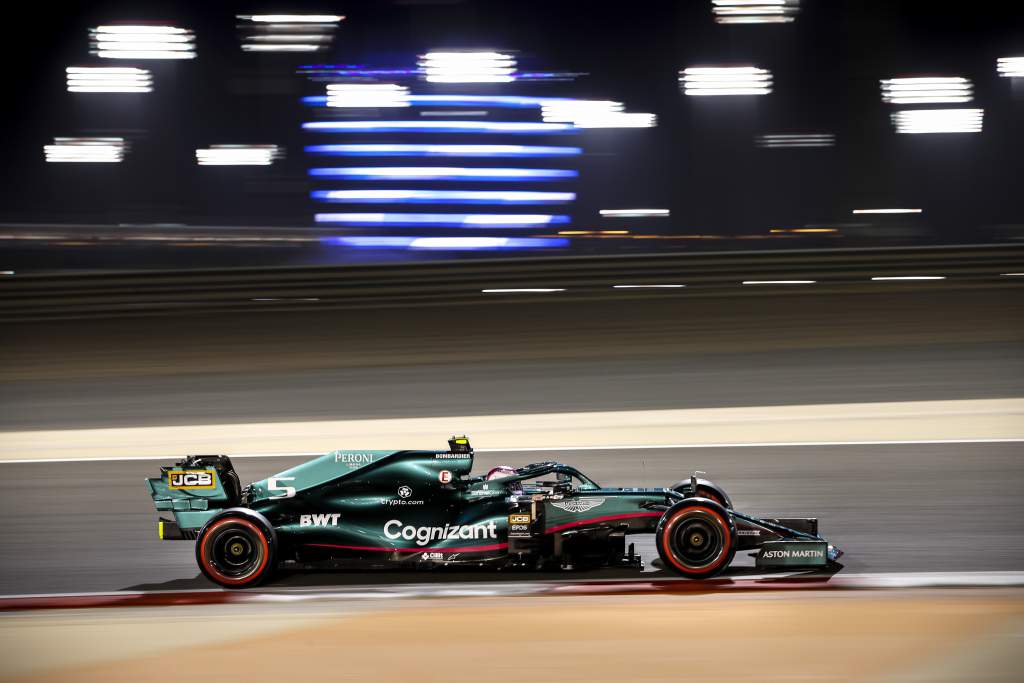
366,509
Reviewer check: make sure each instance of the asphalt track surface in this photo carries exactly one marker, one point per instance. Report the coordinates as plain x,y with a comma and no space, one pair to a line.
639,353
90,526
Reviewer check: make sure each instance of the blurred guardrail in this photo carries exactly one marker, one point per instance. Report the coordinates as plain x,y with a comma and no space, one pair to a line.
25,297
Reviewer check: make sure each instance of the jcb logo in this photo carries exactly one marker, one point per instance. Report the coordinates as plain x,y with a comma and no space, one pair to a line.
519,519
191,479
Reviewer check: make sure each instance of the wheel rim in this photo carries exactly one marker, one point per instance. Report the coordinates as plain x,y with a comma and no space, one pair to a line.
696,542
235,551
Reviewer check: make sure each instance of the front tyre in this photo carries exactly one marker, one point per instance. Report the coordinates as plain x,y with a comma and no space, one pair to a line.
235,552
696,538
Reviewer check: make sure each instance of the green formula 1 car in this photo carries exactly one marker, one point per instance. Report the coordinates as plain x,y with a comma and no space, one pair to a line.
360,509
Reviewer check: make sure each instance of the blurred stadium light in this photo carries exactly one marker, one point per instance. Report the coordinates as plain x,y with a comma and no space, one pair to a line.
468,67
483,127
754,11
442,196
634,213
440,220
444,173
781,140
733,80
287,32
422,150
142,42
85,149
887,211
1010,67
238,155
89,79
367,95
456,243
938,120
927,90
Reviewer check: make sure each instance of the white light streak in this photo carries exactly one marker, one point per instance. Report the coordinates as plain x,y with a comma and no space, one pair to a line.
367,95
142,42
928,90
108,79
754,11
884,278
634,213
594,114
1010,67
779,282
715,81
238,155
294,18
287,32
917,121
468,67
648,286
533,290
887,210
795,140
85,150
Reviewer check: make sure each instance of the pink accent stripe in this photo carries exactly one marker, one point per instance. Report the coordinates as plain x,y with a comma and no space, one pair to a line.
463,549
607,518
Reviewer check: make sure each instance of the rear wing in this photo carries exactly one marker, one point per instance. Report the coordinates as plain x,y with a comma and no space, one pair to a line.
193,490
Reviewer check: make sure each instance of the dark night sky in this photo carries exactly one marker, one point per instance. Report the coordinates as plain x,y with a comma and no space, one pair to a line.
700,161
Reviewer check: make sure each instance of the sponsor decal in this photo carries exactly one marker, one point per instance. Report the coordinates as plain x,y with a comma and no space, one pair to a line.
748,532
191,479
519,519
280,490
451,456
578,504
787,553
354,460
404,492
445,476
423,535
327,519
438,557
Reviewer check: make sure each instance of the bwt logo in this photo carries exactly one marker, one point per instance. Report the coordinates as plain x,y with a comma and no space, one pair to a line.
328,519
191,479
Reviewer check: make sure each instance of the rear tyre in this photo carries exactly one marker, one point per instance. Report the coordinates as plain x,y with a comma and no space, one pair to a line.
696,538
235,552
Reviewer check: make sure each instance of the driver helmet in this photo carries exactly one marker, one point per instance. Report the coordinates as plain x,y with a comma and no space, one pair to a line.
501,472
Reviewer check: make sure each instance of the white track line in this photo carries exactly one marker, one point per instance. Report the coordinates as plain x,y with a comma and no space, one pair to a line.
537,449
994,579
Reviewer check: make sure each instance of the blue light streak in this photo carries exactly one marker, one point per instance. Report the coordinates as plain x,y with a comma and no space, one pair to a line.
442,197
416,150
446,243
511,127
443,173
443,220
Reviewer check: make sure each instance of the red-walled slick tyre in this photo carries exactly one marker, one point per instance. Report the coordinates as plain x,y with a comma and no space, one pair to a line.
696,538
235,552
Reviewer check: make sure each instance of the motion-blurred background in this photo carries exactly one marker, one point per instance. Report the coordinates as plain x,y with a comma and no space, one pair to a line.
778,241
169,134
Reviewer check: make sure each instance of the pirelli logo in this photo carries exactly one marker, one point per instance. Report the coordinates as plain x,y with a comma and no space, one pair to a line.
519,519
191,479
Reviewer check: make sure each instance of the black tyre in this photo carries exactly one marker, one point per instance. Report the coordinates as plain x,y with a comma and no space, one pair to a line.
696,538
235,551
705,489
